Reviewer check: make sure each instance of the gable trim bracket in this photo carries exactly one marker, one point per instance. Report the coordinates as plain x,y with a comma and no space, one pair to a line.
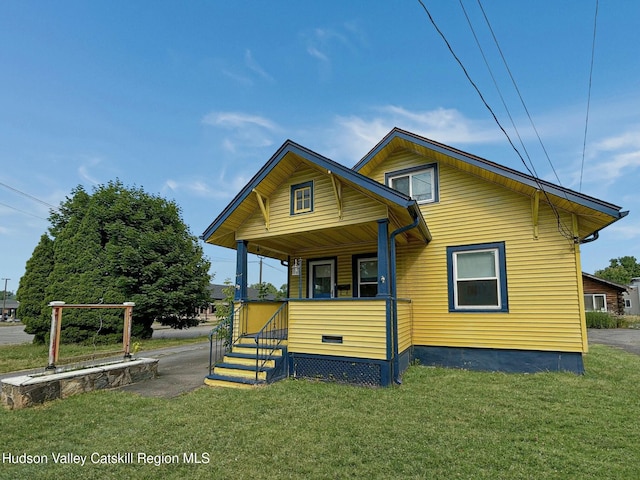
337,191
263,202
535,213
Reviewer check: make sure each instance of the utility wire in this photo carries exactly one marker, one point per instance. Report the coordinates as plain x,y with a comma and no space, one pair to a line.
28,196
495,83
586,122
519,94
21,211
561,228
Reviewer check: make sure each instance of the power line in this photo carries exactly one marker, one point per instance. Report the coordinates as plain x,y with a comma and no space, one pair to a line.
21,211
586,122
28,196
515,85
495,83
564,231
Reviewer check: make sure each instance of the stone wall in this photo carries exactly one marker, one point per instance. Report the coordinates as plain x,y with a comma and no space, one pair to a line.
28,390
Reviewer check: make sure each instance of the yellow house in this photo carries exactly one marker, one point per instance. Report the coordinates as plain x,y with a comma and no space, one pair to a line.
420,251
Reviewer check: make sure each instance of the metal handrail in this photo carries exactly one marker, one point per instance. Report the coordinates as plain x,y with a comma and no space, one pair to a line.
223,335
271,335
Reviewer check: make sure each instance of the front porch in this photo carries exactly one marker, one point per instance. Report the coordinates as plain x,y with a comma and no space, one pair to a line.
362,341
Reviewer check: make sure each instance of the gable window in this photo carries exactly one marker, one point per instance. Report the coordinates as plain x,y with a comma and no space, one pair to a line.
420,183
302,198
477,278
595,302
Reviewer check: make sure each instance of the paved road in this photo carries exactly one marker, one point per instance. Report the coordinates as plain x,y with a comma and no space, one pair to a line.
14,334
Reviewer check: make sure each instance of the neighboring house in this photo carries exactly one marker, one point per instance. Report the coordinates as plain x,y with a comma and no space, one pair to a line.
632,298
419,252
602,295
8,307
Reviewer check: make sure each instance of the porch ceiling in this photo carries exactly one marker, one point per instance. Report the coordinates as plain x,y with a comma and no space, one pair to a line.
336,238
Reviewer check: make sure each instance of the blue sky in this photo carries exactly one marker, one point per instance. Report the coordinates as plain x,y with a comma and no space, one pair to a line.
190,99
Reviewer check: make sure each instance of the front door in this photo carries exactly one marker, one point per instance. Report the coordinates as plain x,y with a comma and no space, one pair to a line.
322,278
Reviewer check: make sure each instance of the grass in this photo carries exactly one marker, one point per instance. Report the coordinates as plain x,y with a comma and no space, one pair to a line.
26,356
440,424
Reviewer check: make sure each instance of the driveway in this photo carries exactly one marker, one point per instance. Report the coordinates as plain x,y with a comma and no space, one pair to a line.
625,338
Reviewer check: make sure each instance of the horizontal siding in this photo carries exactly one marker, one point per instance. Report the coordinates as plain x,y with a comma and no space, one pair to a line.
404,325
356,208
544,308
360,323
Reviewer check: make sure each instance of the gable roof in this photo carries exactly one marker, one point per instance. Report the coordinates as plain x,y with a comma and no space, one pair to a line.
290,149
602,281
605,213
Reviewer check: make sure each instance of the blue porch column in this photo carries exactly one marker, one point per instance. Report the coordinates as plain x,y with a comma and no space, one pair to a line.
383,258
241,270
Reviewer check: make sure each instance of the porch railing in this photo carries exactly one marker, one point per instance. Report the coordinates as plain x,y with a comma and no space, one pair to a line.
221,338
270,338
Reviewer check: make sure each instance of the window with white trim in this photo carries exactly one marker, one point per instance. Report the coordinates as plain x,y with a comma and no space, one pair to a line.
419,183
595,302
477,278
302,198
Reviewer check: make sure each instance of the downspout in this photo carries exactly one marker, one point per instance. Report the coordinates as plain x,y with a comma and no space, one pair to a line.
394,295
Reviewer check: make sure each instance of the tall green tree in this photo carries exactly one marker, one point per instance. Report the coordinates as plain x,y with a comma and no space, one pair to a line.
32,287
620,270
118,245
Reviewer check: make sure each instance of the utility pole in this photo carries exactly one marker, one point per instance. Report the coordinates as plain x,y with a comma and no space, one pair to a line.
260,269
4,297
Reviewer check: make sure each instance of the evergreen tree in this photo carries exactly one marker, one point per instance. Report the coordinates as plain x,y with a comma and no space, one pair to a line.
123,245
31,290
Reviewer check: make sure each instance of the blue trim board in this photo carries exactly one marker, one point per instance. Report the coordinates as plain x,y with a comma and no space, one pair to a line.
502,266
498,360
404,360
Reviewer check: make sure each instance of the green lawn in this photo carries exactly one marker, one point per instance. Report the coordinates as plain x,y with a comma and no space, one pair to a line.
440,424
28,356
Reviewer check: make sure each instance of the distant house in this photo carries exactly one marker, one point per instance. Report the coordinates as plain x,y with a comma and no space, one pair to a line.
9,310
632,298
420,252
602,295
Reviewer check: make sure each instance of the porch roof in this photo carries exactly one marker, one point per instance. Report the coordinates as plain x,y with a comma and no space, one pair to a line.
402,210
595,214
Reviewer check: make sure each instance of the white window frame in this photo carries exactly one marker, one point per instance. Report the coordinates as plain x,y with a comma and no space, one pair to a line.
410,173
593,301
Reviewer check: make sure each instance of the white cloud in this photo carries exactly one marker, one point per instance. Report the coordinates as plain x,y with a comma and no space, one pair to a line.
246,131
84,173
314,52
625,231
237,120
353,136
215,188
253,65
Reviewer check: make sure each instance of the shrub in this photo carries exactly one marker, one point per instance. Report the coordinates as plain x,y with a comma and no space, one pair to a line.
602,320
